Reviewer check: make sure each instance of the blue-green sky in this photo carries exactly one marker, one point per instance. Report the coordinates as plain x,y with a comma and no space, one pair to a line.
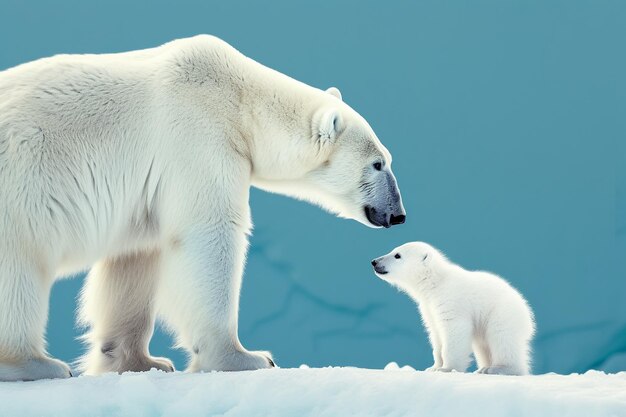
507,122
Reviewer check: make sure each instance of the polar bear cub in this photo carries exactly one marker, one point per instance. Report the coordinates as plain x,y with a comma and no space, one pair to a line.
463,311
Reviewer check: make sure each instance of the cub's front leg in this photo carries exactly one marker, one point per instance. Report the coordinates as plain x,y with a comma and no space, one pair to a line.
433,337
199,297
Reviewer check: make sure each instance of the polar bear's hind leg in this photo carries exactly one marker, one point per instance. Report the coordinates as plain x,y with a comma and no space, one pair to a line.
481,353
117,304
34,369
24,295
509,353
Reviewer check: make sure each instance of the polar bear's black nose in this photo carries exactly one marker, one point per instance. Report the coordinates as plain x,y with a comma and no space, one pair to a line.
397,219
374,262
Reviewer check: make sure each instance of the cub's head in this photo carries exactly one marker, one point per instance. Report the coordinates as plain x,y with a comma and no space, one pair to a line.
407,265
336,161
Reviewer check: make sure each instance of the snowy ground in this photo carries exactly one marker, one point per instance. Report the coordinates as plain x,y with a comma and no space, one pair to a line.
336,392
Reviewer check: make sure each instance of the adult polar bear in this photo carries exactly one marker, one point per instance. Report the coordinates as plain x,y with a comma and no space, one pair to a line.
140,164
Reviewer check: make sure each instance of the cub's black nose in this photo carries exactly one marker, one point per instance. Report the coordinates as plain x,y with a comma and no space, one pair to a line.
397,219
374,262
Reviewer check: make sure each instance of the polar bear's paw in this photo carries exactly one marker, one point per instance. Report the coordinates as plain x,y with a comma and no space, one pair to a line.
151,362
433,368
164,364
249,361
444,369
234,361
34,369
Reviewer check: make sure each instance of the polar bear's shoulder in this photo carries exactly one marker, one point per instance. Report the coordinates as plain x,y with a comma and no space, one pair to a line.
197,60
199,42
197,49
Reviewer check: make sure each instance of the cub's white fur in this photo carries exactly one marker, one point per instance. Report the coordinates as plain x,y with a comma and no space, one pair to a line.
140,164
463,311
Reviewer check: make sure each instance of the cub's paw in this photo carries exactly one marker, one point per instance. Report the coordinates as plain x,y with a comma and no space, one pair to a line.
442,369
34,369
498,370
433,368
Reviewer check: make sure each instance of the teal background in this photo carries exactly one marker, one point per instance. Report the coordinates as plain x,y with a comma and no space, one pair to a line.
507,122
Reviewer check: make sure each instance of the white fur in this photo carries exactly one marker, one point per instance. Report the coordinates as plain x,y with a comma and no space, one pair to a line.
463,311
140,164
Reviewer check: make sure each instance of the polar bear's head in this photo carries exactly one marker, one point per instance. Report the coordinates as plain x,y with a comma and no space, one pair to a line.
329,156
408,265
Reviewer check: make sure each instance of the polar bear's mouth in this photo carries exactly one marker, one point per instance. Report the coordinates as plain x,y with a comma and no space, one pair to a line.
370,212
380,270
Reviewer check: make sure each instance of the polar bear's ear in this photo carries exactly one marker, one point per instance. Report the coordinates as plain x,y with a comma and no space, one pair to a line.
329,126
334,91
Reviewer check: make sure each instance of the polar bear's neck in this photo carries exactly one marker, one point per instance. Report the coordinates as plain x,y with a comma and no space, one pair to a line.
265,115
428,283
278,121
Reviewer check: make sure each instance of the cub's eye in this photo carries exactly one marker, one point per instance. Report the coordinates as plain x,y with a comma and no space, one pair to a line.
397,256
378,166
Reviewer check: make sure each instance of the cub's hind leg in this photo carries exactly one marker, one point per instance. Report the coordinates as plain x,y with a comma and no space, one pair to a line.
481,354
509,352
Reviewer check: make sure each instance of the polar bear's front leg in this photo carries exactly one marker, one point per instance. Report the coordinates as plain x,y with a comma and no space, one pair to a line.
456,344
199,297
433,337
435,342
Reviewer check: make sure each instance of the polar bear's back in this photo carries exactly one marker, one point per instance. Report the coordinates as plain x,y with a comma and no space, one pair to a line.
73,92
73,130
44,68
78,98
60,110
501,302
62,78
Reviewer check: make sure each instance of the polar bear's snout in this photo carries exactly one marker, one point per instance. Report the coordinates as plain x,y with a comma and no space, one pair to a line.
379,268
384,218
386,209
397,219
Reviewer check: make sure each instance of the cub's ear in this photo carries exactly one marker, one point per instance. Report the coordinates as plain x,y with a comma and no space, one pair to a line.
334,91
329,125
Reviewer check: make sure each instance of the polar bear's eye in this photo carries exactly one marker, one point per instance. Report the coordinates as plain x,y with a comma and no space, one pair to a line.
397,256
378,166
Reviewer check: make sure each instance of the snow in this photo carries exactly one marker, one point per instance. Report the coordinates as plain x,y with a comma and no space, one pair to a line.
394,391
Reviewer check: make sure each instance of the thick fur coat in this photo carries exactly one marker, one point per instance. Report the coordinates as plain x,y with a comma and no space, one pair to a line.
138,165
463,311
